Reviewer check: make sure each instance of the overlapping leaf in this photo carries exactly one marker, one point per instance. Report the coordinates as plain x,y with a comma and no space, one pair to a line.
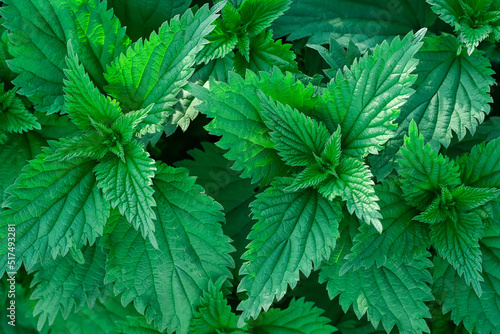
366,22
127,185
155,70
166,283
55,205
40,30
294,230
64,284
402,238
424,171
480,314
264,53
392,294
235,107
458,242
299,317
364,99
451,97
473,20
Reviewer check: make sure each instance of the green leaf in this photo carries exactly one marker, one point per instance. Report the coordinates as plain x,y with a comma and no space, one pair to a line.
13,114
135,325
63,283
355,185
393,294
127,185
55,205
103,317
402,238
82,99
299,317
40,30
15,154
155,70
294,230
337,57
366,22
436,213
235,107
473,20
451,97
468,198
6,75
457,242
297,137
311,176
126,125
481,167
221,43
166,284
424,171
141,18
364,99
223,184
89,145
257,15
264,53
479,314
214,314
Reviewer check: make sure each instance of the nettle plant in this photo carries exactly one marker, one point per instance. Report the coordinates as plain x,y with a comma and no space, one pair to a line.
348,179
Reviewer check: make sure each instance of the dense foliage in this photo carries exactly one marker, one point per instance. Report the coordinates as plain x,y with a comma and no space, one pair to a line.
250,166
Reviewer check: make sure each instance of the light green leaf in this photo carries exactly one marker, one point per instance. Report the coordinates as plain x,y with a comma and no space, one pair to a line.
299,317
55,205
126,125
355,185
82,99
297,137
40,30
311,176
294,230
264,53
214,314
457,242
366,22
127,185
364,99
257,15
141,18
89,145
166,284
424,171
451,97
63,283
155,70
235,107
480,314
221,43
402,238
392,294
